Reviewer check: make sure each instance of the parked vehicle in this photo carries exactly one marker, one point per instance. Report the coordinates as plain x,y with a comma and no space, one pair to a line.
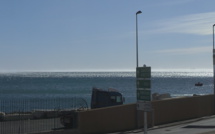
99,98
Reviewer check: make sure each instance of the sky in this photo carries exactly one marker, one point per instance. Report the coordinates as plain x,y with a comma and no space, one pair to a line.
100,35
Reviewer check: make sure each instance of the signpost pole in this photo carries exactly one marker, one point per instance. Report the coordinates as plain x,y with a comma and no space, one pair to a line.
143,81
145,122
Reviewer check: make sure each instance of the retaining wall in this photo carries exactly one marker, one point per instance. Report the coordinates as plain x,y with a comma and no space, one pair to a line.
124,117
173,110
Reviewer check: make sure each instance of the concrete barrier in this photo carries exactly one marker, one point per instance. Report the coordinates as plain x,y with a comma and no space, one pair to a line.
178,109
107,119
124,117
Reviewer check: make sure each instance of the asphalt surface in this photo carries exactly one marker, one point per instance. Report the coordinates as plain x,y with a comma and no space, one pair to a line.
205,125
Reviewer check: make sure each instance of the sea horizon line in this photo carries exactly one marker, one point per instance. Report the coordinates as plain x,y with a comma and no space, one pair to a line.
113,70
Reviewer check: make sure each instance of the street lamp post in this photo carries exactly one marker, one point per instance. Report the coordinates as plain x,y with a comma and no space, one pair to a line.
214,65
145,114
138,12
213,36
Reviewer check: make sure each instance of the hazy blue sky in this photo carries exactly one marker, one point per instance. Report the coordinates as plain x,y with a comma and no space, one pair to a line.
72,35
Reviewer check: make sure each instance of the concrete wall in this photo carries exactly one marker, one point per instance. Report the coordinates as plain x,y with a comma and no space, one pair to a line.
120,118
172,110
107,119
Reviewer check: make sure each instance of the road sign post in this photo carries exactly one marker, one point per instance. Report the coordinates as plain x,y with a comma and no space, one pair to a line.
143,84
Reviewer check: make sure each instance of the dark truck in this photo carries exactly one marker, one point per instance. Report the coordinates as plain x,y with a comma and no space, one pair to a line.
100,98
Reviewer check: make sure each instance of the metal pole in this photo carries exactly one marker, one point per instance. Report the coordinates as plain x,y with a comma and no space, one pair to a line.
213,36
139,12
214,67
145,113
136,40
145,122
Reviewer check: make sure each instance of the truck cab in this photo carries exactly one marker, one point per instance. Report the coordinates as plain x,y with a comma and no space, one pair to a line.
102,98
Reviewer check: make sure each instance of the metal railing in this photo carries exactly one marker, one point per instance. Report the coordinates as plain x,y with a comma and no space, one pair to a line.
23,116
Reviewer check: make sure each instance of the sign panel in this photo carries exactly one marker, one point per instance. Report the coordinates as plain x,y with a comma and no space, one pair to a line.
143,72
143,83
144,95
144,106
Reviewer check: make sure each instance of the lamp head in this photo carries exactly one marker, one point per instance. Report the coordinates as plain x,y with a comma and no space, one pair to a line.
138,12
213,25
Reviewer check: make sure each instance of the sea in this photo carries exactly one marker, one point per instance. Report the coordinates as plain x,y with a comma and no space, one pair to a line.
67,85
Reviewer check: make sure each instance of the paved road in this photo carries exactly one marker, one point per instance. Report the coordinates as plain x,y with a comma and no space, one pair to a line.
204,125
29,126
196,127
